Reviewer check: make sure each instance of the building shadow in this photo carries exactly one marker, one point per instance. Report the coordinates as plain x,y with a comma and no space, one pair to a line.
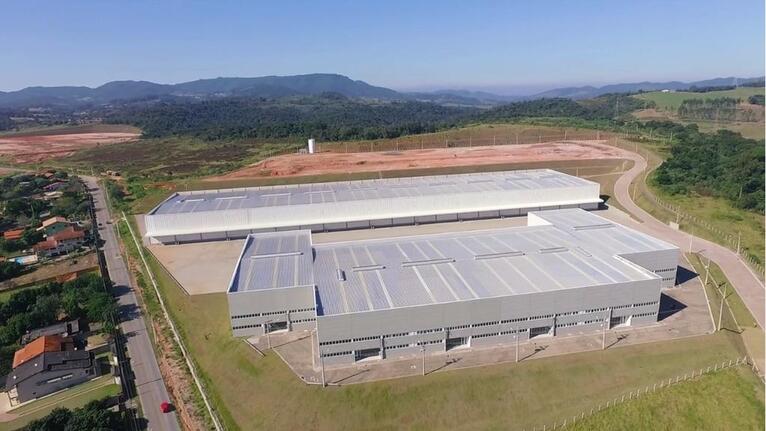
684,274
446,364
669,306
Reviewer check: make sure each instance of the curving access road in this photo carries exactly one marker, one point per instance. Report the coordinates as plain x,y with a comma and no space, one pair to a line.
749,287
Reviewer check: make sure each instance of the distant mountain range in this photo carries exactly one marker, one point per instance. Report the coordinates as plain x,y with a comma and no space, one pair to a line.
302,85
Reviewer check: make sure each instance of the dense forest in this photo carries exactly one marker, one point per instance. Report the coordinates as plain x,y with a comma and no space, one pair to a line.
332,117
328,117
606,107
723,164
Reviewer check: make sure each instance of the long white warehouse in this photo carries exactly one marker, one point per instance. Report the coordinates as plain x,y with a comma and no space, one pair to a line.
235,213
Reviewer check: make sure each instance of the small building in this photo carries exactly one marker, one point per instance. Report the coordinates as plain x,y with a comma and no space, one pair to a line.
49,196
54,186
69,328
13,234
54,224
29,259
46,370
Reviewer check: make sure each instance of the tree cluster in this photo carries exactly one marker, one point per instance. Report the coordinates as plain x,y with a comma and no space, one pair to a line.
94,416
723,164
9,270
29,309
717,109
327,117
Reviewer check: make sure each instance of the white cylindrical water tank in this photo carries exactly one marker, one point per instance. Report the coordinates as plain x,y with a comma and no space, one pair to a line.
311,146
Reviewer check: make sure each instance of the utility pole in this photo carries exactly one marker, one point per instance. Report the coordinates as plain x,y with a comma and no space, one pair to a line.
423,351
268,336
707,270
606,324
739,238
723,298
517,344
321,362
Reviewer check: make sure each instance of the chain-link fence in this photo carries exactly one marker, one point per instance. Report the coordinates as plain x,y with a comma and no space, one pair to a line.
465,140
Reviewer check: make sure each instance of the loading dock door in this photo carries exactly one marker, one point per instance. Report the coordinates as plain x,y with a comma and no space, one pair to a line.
456,342
366,353
540,330
276,326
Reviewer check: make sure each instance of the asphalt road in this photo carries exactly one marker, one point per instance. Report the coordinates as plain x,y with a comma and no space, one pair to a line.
740,275
148,380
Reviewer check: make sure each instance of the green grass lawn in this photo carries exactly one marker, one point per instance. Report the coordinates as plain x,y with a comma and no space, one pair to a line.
671,101
71,398
251,392
732,399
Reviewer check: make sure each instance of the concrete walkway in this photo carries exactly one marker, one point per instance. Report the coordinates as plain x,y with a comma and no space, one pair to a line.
740,275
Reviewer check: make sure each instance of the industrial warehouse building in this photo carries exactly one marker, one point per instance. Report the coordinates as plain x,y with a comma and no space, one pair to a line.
236,213
567,271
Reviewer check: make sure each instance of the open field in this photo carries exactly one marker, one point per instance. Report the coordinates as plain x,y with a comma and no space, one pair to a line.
726,400
333,163
253,392
71,398
169,157
191,157
752,130
44,144
672,100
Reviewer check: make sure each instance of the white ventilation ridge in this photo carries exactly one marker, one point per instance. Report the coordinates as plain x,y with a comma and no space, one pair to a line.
372,267
273,255
498,255
553,250
427,262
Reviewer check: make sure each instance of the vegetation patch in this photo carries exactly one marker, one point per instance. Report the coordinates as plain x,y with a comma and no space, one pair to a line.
732,399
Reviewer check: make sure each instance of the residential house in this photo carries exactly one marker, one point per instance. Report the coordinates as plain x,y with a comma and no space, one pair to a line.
69,328
13,234
47,365
61,242
54,225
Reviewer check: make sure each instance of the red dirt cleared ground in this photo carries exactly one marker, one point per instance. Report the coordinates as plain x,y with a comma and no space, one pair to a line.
35,148
330,163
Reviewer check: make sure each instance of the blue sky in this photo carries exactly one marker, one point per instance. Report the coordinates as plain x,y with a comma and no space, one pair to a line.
506,46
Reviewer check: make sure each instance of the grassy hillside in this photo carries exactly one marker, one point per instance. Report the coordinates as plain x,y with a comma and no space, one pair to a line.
671,101
727,400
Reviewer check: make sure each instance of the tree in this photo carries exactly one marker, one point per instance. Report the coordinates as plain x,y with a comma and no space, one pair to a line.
9,269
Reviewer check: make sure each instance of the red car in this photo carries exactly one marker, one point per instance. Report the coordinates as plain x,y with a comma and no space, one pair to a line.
166,407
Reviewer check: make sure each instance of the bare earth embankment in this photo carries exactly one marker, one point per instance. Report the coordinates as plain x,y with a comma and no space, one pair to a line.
330,163
40,145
